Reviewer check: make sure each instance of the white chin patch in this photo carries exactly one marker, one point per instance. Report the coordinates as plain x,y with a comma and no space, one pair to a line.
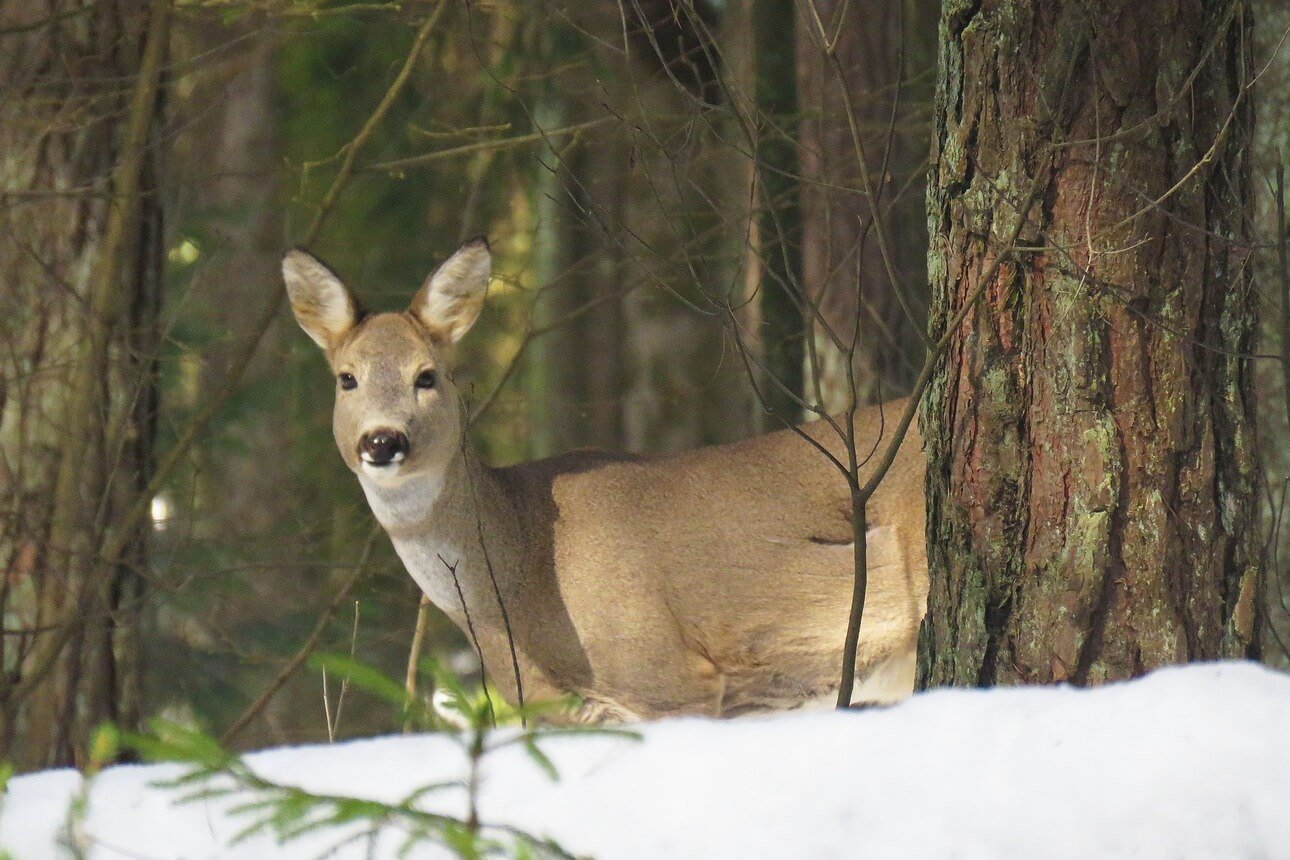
380,474
394,461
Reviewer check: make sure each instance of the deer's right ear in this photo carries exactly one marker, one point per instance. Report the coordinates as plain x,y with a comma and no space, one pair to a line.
322,305
450,300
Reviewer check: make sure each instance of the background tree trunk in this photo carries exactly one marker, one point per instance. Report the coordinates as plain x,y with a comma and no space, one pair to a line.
239,508
639,252
779,216
1091,470
78,340
884,50
1272,271
579,367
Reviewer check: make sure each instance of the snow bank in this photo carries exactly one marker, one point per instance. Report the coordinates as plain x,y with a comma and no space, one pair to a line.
1188,762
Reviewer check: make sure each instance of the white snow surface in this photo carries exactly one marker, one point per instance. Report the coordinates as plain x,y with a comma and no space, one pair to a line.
1186,762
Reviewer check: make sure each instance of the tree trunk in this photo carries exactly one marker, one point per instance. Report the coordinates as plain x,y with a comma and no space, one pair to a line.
779,218
1091,469
637,252
236,515
580,364
881,49
80,245
1272,268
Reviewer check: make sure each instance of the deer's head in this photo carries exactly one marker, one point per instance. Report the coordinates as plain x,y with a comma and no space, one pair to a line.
398,413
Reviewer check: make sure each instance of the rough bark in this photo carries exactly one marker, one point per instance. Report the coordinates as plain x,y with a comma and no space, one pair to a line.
1091,472
882,50
80,247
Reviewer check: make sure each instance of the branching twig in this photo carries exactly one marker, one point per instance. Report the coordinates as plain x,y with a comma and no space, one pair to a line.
398,164
470,631
293,665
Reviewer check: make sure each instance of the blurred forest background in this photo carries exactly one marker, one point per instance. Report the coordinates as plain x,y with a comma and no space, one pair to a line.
661,182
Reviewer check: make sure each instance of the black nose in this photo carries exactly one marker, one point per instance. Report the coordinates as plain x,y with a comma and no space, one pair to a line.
382,447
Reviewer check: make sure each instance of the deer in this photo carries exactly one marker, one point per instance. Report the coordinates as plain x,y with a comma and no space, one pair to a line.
715,581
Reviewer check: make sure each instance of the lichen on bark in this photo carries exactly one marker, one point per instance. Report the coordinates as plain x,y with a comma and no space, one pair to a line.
1091,469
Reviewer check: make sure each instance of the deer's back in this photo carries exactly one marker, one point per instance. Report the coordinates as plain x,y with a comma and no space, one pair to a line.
727,567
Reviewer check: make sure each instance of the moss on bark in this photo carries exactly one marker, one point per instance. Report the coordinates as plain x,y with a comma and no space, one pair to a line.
1091,475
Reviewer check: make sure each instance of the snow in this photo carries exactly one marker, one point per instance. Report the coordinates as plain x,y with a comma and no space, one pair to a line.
1186,762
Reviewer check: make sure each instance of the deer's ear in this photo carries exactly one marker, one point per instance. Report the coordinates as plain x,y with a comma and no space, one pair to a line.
322,305
450,300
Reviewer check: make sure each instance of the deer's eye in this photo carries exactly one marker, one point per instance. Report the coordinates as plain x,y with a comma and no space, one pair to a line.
426,379
347,381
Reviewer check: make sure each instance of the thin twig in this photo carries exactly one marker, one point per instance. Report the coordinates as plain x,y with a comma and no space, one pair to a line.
1283,270
414,654
293,665
470,631
344,684
482,146
497,592
327,707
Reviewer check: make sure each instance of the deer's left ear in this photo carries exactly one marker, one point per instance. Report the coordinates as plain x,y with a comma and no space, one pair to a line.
450,300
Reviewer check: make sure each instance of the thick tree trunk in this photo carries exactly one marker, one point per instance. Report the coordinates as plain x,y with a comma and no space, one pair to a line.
80,248
881,49
1091,470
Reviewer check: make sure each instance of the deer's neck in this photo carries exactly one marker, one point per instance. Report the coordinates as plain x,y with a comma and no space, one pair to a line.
438,525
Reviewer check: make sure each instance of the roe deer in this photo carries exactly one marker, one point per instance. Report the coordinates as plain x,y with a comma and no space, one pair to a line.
715,581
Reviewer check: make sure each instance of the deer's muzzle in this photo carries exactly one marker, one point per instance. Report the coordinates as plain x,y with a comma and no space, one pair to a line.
382,446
